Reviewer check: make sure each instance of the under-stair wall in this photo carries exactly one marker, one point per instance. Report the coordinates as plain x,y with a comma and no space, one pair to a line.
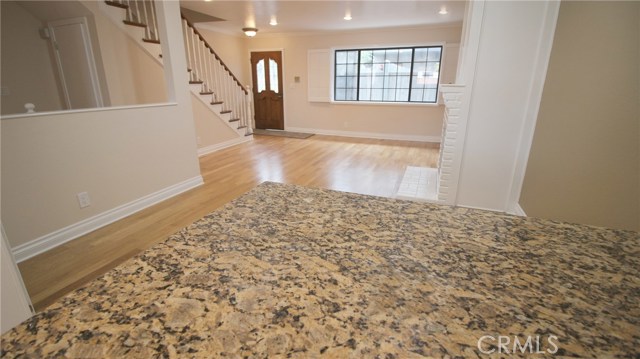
213,86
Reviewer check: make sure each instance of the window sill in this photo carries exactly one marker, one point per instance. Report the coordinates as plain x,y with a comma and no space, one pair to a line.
372,103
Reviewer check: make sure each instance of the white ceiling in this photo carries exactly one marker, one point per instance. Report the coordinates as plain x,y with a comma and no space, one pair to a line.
317,16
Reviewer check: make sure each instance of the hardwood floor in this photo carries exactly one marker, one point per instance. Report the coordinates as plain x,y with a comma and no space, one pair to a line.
373,167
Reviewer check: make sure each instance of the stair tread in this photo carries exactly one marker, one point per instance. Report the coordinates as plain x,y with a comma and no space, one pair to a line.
117,4
241,127
206,93
152,41
195,82
217,102
133,23
225,111
248,134
234,120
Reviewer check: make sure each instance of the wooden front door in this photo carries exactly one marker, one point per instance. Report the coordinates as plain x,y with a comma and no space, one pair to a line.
266,68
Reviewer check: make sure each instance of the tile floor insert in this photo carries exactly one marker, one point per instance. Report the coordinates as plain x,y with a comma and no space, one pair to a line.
419,183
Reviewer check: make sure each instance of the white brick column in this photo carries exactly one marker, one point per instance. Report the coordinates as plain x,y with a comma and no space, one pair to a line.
452,143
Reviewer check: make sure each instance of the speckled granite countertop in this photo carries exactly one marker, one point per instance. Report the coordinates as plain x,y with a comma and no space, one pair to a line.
286,271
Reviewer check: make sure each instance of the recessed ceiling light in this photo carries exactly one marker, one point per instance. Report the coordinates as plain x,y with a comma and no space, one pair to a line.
273,21
443,11
348,17
208,0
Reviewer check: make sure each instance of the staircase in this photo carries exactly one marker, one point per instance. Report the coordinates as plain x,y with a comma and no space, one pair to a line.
210,80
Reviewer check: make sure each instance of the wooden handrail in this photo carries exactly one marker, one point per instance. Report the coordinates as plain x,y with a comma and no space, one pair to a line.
214,53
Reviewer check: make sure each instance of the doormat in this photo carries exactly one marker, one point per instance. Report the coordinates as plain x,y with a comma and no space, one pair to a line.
281,133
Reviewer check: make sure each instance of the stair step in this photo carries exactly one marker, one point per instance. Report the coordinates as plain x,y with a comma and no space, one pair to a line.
225,111
207,93
248,134
217,102
241,127
195,82
117,4
234,120
133,23
151,41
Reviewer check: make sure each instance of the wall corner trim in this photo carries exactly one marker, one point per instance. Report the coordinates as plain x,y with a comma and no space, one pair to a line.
517,211
66,234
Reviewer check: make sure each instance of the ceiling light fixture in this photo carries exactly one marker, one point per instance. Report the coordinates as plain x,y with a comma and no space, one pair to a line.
250,31
347,16
273,21
443,11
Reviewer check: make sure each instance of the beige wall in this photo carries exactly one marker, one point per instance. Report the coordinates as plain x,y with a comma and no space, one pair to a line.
584,164
132,75
27,69
210,129
116,155
399,121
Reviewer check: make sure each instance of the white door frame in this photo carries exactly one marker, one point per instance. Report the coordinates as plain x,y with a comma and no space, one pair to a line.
88,52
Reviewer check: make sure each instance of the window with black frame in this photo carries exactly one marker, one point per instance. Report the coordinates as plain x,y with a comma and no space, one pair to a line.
404,74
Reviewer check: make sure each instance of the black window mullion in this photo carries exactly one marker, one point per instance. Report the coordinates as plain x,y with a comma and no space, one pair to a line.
413,57
358,79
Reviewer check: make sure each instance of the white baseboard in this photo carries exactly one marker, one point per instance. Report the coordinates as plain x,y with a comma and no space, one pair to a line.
376,135
61,236
219,146
518,211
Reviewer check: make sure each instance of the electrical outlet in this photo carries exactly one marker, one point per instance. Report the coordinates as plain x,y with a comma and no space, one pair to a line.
83,199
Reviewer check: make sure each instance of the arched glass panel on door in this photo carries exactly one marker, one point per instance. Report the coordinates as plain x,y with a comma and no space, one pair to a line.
273,76
260,74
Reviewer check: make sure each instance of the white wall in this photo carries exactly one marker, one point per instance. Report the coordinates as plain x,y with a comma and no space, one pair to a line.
514,44
14,300
118,155
417,122
132,75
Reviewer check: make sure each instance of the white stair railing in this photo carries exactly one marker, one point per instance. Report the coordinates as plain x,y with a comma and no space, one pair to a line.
140,13
205,67
216,79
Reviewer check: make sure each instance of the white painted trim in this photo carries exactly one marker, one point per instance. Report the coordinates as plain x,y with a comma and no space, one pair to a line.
88,53
467,62
525,139
374,135
517,211
16,306
56,238
99,109
222,145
